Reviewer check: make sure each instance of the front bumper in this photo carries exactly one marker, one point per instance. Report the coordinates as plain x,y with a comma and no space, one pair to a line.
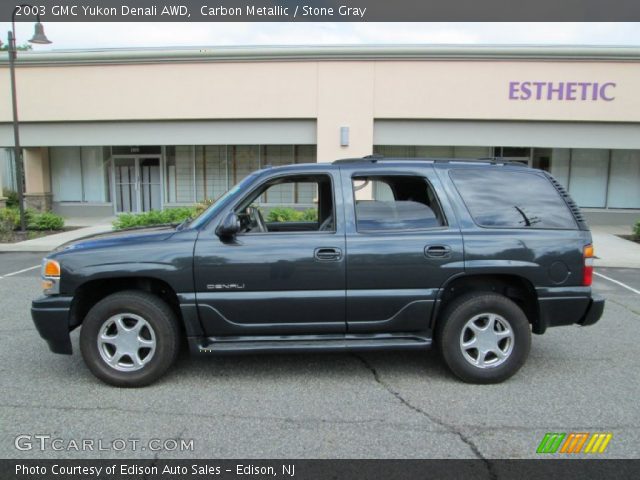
51,317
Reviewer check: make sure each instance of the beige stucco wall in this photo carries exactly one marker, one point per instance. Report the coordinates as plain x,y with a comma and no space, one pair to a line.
480,90
36,170
335,92
296,89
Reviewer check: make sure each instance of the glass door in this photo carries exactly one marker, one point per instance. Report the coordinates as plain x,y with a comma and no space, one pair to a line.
126,184
137,183
149,174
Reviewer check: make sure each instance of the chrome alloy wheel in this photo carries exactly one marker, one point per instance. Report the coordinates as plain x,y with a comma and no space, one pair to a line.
486,340
126,342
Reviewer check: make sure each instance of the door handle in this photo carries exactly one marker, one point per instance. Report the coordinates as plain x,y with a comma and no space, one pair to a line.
437,251
327,254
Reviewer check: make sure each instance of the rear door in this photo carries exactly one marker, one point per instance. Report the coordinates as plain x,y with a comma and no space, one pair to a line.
403,244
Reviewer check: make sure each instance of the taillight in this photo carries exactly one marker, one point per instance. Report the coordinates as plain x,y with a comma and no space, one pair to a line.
587,271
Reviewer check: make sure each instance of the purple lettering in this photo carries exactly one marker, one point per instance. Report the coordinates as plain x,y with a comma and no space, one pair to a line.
569,91
603,93
539,86
583,86
513,90
559,91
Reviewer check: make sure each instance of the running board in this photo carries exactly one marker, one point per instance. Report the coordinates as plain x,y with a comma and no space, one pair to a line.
310,343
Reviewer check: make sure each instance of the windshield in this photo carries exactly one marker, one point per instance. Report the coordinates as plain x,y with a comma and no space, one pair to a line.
221,202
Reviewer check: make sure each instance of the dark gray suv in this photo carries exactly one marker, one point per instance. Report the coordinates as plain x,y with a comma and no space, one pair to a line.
471,256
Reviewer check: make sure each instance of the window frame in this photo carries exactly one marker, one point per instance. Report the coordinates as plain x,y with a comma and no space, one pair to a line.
258,187
428,184
524,171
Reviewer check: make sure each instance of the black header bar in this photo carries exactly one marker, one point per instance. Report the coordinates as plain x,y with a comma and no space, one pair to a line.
323,10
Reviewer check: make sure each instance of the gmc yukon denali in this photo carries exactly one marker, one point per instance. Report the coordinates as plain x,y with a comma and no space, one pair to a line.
469,256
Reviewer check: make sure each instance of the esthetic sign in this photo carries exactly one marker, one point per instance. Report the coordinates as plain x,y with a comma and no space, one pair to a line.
565,91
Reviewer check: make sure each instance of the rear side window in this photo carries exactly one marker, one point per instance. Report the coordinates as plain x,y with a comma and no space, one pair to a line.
395,203
508,199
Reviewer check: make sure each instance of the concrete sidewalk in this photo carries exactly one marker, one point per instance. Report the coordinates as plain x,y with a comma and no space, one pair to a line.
613,251
87,226
50,242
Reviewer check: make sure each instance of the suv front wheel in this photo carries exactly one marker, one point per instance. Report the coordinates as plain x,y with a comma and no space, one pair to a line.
129,339
484,337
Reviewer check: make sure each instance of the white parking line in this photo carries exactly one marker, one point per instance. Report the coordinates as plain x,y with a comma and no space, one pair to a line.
617,282
19,271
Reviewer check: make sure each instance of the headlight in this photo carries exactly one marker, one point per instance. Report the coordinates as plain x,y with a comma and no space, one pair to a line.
50,277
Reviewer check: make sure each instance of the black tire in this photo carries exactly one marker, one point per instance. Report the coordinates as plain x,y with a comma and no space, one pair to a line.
454,320
159,317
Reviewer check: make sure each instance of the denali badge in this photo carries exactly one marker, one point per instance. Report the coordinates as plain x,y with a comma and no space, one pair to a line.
225,286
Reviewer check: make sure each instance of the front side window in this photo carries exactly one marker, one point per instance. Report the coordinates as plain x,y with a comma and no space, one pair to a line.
508,199
395,203
297,203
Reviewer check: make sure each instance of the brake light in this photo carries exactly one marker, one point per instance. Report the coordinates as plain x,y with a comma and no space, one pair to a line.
587,271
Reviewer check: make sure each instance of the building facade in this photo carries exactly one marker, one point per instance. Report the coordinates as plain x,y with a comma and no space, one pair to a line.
113,131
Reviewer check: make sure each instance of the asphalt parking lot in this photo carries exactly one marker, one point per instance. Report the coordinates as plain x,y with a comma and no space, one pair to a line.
382,405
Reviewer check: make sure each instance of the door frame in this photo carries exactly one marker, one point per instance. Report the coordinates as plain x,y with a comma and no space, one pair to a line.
136,157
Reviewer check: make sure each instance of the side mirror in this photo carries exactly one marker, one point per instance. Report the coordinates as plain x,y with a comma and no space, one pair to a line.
229,227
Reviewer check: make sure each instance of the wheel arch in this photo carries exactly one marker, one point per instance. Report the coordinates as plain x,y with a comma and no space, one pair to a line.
517,288
91,292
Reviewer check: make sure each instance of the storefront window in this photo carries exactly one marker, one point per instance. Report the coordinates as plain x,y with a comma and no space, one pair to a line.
179,174
588,177
596,178
79,174
624,179
206,172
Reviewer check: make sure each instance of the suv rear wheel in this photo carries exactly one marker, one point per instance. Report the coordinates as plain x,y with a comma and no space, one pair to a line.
484,337
129,339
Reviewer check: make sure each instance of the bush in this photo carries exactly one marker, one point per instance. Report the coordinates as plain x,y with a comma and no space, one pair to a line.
310,215
154,217
12,198
286,214
44,221
9,219
636,230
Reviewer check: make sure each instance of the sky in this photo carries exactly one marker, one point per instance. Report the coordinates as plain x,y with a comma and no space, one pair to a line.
130,35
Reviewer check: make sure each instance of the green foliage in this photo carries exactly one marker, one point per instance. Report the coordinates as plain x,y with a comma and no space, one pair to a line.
154,217
20,48
10,220
310,215
636,230
12,198
202,206
160,217
286,214
44,221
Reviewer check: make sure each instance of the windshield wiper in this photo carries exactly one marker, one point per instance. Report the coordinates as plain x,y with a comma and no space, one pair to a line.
527,222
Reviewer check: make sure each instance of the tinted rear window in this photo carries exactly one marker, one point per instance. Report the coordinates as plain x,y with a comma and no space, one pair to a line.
509,199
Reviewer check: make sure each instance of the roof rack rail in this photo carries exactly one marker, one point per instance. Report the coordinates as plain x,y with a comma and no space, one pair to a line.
367,158
491,160
376,157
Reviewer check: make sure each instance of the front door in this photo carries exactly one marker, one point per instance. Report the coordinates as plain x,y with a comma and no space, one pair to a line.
137,185
284,273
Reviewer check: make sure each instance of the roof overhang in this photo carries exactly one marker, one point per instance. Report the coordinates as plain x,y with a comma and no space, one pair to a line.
337,52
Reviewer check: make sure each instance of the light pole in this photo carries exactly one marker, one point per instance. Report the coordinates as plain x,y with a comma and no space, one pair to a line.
39,38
